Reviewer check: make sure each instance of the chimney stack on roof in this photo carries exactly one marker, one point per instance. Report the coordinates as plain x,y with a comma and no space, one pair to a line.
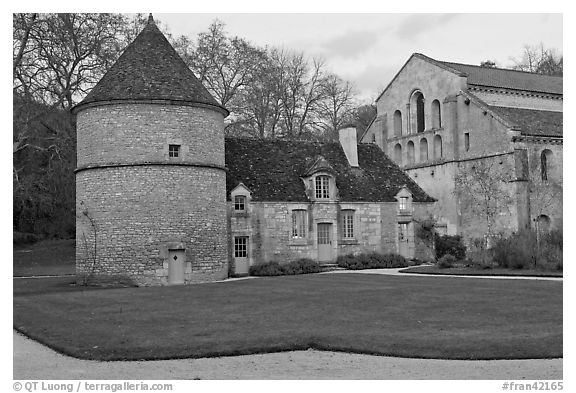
349,144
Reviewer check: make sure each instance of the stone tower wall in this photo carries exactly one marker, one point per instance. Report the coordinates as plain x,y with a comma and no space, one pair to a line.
135,203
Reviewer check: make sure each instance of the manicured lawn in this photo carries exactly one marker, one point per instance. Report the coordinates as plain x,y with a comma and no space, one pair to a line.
469,271
46,258
426,317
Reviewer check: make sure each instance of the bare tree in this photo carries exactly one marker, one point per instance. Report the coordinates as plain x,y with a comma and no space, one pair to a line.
540,60
483,190
337,106
225,65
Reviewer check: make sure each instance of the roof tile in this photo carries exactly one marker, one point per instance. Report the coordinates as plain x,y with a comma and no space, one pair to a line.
273,171
150,69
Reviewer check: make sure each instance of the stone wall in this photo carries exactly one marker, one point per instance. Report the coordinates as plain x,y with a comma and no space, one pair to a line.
519,100
269,228
143,203
134,133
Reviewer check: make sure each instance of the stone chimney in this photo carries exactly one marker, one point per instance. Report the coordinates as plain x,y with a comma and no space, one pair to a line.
349,144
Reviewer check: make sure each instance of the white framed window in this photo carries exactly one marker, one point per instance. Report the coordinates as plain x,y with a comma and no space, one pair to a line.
466,141
322,187
241,246
239,203
298,224
348,224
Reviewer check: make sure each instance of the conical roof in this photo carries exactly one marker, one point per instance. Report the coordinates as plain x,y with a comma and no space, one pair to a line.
150,69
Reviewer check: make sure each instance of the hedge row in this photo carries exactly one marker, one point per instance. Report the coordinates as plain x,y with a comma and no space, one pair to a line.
299,266
371,261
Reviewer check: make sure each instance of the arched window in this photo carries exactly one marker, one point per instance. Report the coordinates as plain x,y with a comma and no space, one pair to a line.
398,154
437,147
420,112
545,164
410,152
543,222
417,113
436,115
423,150
397,123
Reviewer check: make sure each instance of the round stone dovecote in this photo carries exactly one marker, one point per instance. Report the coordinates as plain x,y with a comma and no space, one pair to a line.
150,181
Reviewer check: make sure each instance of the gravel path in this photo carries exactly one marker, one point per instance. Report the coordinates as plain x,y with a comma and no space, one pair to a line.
35,361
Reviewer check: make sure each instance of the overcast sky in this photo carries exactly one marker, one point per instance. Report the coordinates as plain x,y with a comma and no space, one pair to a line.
368,49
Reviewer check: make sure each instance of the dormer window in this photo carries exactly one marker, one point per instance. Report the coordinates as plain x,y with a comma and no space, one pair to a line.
173,151
322,187
240,203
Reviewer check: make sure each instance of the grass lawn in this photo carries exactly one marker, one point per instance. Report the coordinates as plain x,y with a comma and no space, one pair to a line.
424,317
470,271
45,258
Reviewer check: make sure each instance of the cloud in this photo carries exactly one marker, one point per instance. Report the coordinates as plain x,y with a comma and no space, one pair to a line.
416,24
350,44
373,79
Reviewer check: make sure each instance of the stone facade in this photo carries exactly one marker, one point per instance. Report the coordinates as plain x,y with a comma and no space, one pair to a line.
143,203
269,229
321,226
466,124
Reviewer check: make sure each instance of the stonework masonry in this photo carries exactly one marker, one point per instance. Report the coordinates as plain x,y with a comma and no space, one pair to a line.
468,132
143,202
268,225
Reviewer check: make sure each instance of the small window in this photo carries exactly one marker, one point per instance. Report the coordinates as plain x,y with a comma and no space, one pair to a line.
397,123
348,224
239,203
173,151
466,141
403,203
322,187
298,224
545,164
373,138
241,247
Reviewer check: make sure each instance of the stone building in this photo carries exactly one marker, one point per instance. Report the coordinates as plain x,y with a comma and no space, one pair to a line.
296,199
443,121
151,179
162,198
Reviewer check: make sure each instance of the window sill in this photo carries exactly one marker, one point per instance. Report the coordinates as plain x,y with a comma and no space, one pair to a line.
298,242
348,241
240,213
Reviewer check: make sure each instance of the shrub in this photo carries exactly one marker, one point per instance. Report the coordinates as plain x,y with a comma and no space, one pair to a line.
451,245
348,262
517,251
371,261
21,238
266,269
273,268
447,261
301,266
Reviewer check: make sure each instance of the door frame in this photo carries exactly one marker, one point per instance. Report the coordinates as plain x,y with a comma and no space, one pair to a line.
248,259
332,241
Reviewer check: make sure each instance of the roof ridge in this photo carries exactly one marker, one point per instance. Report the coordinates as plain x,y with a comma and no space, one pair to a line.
498,68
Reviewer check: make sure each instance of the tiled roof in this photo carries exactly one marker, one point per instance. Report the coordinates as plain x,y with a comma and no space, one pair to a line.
150,69
272,170
533,122
508,79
